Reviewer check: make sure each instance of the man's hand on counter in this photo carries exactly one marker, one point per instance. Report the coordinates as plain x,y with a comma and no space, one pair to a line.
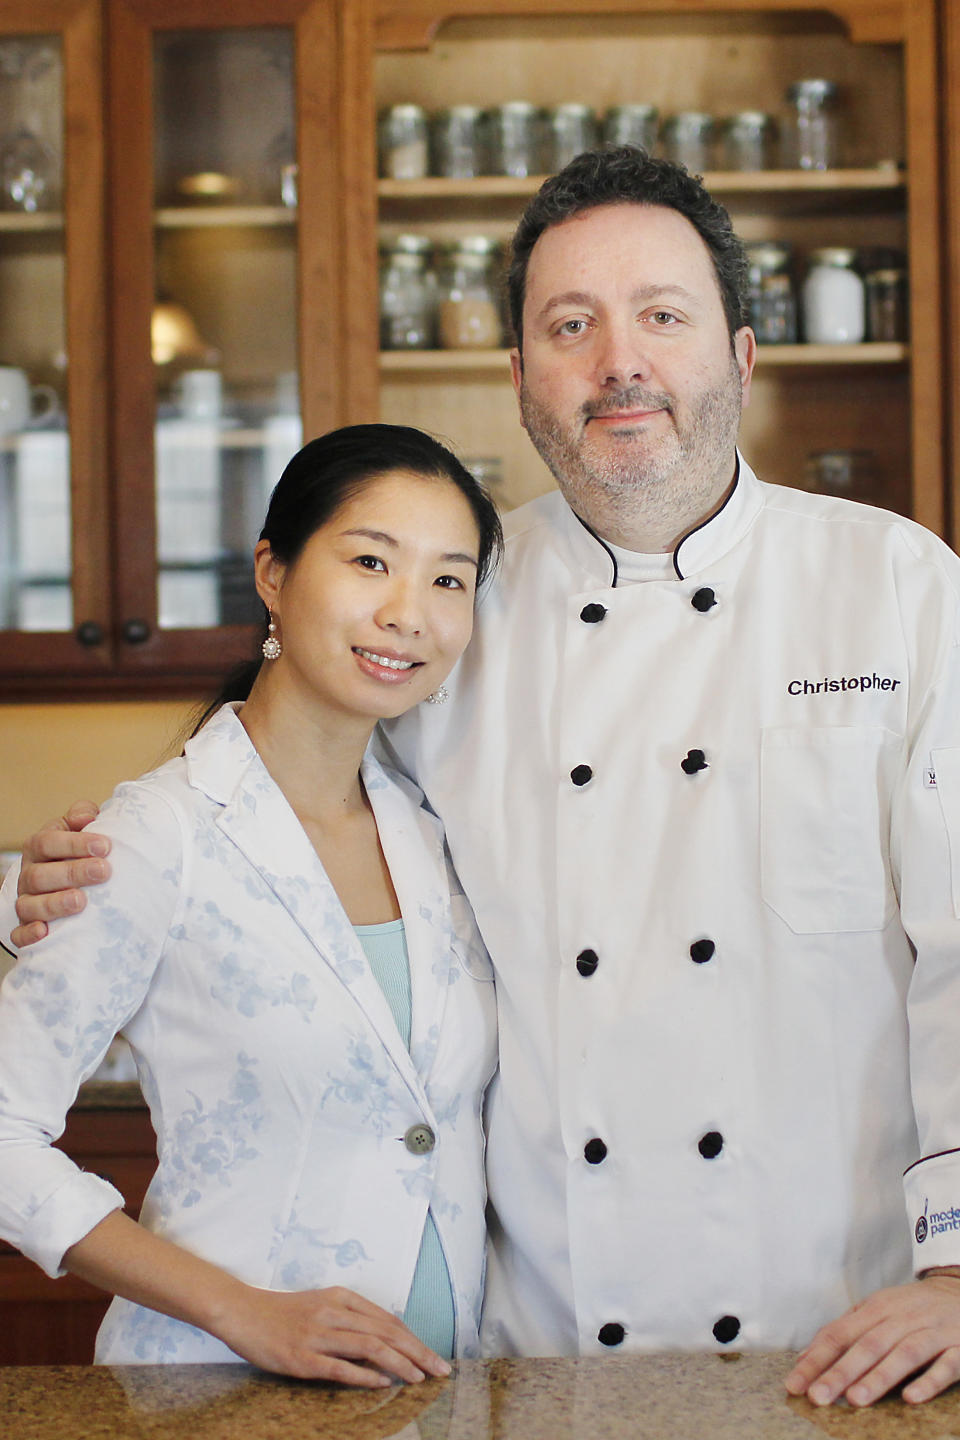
878,1343
57,862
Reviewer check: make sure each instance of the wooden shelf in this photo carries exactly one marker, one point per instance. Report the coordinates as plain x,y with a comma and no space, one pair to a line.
16,222
873,353
722,182
192,217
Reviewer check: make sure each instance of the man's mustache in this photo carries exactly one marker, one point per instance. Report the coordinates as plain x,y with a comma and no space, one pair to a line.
634,397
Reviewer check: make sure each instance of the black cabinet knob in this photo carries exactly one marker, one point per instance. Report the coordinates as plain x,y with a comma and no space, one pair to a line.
89,633
136,631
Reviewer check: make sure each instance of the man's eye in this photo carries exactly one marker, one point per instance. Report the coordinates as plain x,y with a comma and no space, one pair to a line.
572,327
664,317
370,562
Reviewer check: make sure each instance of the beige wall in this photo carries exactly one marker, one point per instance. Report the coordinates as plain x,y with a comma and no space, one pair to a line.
51,755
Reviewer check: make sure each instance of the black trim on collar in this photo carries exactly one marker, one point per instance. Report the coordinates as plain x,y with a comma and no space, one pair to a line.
684,538
613,559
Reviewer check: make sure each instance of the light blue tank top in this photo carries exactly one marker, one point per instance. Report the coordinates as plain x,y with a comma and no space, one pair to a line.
430,1311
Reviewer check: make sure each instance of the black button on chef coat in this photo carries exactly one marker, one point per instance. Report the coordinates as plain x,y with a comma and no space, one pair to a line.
580,774
710,1144
594,1151
611,1334
693,761
587,961
704,600
591,614
701,951
726,1329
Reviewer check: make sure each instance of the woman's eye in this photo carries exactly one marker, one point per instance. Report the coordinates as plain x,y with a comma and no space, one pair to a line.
449,582
664,317
370,562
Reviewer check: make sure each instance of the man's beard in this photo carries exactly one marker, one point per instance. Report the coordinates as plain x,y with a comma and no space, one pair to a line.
695,454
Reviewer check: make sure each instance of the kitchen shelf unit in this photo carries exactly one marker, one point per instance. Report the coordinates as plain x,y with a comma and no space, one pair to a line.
718,57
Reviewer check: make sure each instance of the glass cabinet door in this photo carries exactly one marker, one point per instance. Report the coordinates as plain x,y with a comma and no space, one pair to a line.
53,582
213,277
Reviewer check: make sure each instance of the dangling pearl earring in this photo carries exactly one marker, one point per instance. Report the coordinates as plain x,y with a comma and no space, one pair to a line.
271,647
439,696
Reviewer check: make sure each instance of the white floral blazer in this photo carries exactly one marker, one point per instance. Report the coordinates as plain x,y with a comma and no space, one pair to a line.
278,1085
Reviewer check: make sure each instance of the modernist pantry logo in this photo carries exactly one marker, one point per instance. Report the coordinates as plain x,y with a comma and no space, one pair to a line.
936,1222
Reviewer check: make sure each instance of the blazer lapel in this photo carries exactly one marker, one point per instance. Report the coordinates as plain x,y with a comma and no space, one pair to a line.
412,841
259,821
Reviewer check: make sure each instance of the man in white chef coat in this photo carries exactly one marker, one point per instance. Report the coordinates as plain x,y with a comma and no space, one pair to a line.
700,773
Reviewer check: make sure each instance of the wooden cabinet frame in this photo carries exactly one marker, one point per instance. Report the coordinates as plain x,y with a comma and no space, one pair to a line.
180,654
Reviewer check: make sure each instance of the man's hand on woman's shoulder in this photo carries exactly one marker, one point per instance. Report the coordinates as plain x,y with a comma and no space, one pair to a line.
58,862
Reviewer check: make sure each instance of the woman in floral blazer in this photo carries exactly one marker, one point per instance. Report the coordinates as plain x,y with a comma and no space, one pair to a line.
307,1154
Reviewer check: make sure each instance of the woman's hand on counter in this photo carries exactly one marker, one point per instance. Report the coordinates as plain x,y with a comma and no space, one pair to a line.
58,861
878,1343
331,1334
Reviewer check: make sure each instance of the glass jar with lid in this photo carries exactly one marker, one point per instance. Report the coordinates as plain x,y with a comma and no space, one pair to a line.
458,146
748,141
886,289
834,309
516,136
402,145
632,125
687,139
772,298
810,136
571,130
468,294
407,294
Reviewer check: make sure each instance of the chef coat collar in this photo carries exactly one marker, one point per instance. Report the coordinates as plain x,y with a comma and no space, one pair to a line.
700,547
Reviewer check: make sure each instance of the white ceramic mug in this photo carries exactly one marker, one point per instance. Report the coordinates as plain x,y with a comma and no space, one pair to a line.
199,394
21,402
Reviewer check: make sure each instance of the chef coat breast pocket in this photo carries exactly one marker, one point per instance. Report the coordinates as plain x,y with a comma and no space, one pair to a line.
825,825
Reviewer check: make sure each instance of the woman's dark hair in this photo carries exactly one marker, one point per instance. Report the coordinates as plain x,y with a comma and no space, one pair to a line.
330,471
627,175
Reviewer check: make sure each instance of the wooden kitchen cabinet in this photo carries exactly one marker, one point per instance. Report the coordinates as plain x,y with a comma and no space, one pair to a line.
54,1322
201,201
706,56
151,570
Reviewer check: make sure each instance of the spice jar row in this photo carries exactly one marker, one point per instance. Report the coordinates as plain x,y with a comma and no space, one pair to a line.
442,296
846,296
521,139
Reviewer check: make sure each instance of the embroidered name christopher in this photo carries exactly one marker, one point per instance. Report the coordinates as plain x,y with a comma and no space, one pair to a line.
845,682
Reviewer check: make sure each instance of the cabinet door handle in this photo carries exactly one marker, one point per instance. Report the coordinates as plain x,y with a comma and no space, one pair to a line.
89,633
136,631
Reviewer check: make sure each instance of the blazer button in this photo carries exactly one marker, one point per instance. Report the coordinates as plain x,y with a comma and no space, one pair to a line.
611,1334
580,774
710,1144
587,961
594,1151
726,1329
701,951
591,614
693,761
704,600
419,1140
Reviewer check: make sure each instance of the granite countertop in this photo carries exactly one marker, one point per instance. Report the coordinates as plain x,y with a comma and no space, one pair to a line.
650,1397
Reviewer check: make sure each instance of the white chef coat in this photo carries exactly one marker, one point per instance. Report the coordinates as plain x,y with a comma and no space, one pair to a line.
704,821
300,1143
